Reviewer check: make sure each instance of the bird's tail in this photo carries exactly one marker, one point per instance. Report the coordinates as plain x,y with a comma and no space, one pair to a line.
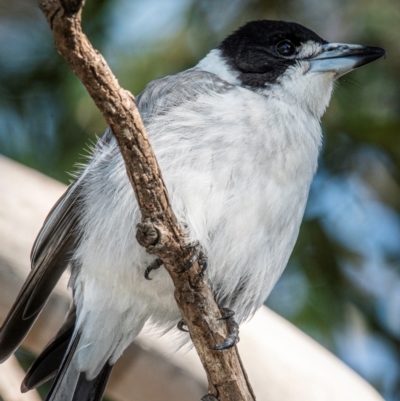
57,359
72,385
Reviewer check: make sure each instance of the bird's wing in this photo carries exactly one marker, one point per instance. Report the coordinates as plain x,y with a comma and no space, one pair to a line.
164,94
49,260
50,257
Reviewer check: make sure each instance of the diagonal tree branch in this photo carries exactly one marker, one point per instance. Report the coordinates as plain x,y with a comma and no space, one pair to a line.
159,231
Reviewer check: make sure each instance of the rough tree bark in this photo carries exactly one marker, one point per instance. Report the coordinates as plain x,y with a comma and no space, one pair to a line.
159,232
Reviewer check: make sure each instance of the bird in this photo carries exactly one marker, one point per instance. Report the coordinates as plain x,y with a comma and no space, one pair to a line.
237,138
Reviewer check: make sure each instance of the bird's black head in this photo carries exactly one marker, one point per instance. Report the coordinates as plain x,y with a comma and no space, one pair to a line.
261,51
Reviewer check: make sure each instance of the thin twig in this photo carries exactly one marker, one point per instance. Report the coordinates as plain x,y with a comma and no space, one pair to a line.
159,230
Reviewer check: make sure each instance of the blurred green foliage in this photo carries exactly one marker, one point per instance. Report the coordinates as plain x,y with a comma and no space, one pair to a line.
342,285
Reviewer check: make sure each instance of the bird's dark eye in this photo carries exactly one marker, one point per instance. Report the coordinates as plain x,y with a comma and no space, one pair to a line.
286,48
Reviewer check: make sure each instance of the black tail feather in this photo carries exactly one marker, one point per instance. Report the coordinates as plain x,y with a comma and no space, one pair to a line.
57,359
92,390
47,363
72,385
59,388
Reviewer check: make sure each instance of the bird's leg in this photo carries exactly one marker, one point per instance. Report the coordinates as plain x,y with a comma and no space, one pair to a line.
152,266
209,397
181,325
233,330
199,256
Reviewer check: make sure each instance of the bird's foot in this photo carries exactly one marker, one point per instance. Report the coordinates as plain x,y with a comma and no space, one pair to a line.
209,397
180,326
198,256
233,330
152,266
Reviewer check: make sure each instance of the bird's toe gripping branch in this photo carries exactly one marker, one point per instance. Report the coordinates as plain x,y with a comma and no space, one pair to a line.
233,330
199,256
157,263
181,326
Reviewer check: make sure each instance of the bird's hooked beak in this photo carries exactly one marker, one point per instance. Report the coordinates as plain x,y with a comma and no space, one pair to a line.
342,58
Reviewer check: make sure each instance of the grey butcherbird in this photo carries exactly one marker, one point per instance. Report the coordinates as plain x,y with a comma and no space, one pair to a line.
237,139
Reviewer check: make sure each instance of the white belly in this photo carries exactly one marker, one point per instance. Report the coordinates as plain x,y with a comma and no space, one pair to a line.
238,196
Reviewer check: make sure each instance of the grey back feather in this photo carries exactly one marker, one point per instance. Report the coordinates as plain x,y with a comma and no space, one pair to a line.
163,94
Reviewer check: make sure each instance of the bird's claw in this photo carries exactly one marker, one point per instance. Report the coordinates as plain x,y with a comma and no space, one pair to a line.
189,264
209,397
198,256
180,325
152,266
233,330
226,314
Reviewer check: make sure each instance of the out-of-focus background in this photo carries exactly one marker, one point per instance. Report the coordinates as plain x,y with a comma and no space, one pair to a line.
342,284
